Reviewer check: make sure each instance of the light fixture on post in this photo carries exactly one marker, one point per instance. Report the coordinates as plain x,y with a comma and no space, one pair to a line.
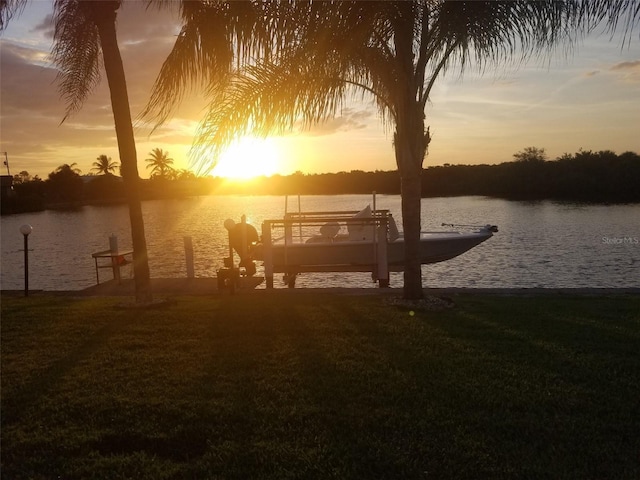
25,230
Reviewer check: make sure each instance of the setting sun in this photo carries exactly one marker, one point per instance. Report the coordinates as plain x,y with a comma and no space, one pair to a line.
249,157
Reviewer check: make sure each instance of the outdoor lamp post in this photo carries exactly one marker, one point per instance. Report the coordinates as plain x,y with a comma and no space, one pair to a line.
25,230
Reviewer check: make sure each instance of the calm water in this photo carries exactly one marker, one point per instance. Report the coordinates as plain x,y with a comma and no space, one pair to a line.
540,244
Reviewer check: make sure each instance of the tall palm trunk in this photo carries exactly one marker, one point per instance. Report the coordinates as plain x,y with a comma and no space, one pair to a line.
410,143
105,19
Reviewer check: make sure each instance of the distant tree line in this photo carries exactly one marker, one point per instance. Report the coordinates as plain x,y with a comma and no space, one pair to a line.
585,176
65,187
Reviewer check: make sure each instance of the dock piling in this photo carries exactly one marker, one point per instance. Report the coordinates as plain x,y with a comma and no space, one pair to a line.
113,246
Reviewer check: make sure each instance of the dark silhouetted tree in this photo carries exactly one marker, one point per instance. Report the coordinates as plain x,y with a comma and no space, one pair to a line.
531,154
104,165
64,185
160,164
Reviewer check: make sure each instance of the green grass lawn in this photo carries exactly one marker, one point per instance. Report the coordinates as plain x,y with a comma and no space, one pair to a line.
321,386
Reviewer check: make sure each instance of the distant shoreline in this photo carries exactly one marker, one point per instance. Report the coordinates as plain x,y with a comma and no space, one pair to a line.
586,177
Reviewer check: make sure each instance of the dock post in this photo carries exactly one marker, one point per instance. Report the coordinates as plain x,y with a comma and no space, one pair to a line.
113,246
267,253
25,230
383,261
188,253
243,246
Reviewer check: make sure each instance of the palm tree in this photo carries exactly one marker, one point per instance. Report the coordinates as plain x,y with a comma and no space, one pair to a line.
71,168
392,52
160,163
64,184
104,165
84,29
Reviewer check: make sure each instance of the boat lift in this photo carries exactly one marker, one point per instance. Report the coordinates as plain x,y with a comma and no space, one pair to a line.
312,241
298,226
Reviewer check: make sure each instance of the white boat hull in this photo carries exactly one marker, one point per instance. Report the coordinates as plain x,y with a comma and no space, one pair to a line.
316,242
348,255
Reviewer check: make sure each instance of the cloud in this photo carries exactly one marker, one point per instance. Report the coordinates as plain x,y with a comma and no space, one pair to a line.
30,106
23,75
348,120
46,27
634,66
629,72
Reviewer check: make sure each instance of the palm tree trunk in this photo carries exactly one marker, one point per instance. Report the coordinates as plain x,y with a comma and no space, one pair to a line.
410,185
410,143
105,16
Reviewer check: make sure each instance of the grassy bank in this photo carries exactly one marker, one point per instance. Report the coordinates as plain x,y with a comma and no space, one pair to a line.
321,386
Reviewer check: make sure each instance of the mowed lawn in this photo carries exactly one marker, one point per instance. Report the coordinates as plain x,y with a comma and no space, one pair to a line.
277,385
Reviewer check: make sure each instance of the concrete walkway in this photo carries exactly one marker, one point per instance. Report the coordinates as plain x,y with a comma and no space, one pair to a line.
168,286
209,286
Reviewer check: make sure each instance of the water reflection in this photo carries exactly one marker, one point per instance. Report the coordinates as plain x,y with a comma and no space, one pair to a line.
540,244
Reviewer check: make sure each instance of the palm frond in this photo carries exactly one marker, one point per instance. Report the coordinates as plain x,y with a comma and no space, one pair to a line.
269,97
328,57
9,9
215,38
494,32
76,52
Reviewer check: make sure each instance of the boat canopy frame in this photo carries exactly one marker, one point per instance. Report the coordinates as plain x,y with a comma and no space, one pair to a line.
304,221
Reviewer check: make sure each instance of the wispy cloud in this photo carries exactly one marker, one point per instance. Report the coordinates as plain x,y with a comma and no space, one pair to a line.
46,27
349,119
635,66
628,71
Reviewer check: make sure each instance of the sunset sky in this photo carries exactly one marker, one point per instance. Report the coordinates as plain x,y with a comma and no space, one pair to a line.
589,99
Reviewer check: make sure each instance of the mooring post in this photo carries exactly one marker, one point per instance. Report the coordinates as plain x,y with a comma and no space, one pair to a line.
25,230
383,259
267,253
115,264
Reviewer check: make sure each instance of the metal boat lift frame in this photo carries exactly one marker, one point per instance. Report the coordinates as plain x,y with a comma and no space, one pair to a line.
378,266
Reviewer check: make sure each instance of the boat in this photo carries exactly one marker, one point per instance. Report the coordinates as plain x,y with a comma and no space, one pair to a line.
346,241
